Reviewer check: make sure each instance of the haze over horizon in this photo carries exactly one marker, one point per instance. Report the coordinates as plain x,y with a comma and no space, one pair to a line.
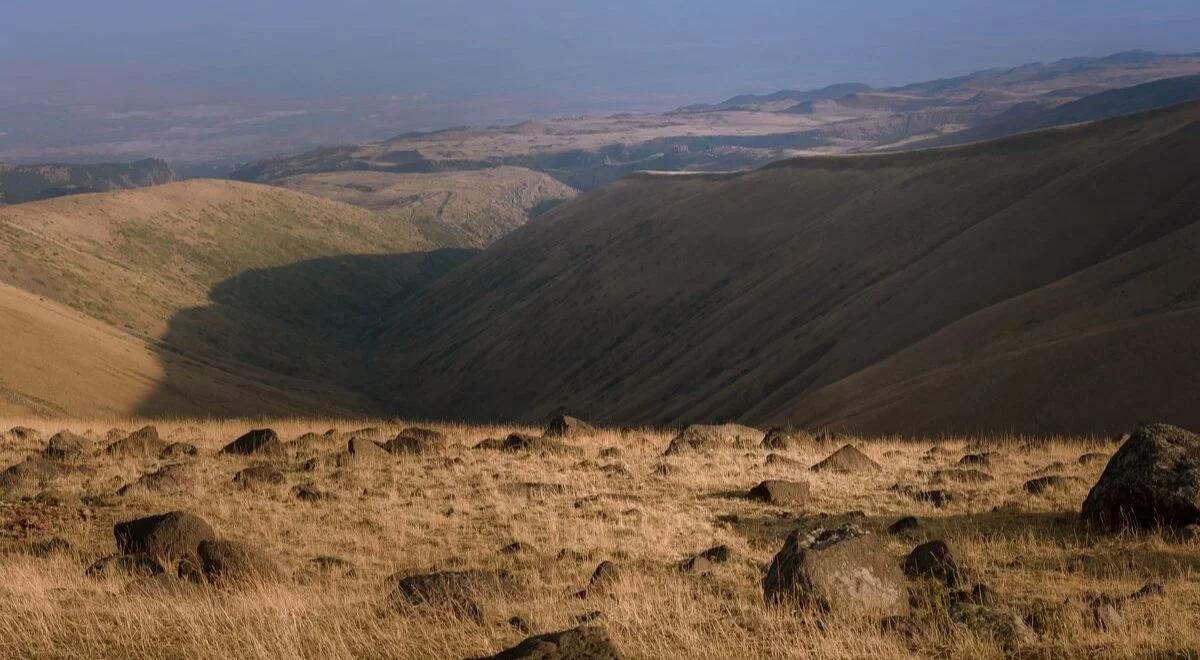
588,57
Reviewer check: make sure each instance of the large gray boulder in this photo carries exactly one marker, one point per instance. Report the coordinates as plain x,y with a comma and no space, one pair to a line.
167,538
1152,480
844,570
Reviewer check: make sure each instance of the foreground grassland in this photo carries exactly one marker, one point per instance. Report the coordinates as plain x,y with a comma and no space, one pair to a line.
619,499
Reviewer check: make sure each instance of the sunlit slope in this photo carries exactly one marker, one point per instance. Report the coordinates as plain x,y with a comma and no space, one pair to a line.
151,263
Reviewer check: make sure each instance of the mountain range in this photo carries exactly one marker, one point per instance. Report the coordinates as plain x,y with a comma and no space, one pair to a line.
1043,282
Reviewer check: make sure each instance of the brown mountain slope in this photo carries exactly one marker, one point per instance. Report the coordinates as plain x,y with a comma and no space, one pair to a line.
470,208
59,362
179,269
1045,282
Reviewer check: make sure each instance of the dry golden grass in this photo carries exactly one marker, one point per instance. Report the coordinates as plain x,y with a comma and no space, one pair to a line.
419,513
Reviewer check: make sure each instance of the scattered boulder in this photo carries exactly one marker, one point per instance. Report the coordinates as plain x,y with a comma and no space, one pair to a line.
582,643
517,548
606,576
1050,484
565,426
167,537
712,437
933,559
167,480
363,451
67,447
978,594
1105,616
143,442
963,476
837,570
1007,628
22,434
179,451
1153,479
311,494
137,564
779,460
259,476
369,433
31,475
905,524
417,441
523,442
257,441
457,590
705,561
847,460
229,562
937,497
1148,590
778,491
789,439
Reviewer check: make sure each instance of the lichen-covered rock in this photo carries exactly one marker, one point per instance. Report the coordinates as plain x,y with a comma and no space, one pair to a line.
843,570
1152,480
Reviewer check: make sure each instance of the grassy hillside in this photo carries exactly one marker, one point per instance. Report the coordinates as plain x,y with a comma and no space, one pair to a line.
1046,282
470,208
59,362
185,269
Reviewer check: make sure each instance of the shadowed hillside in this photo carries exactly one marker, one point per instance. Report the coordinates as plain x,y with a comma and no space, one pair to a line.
27,183
135,266
1042,283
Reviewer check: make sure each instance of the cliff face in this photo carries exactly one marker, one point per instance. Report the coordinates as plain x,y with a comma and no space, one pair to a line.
27,183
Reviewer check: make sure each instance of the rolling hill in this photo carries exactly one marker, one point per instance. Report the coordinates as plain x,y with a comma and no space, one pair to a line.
1041,283
27,183
469,208
740,133
1112,103
189,273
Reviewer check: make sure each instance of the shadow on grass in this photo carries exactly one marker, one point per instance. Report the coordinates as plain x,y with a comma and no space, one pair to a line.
292,340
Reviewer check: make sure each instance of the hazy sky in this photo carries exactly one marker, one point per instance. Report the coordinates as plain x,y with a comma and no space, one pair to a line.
585,49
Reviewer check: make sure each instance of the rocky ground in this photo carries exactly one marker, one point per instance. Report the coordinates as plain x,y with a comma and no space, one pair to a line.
198,539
